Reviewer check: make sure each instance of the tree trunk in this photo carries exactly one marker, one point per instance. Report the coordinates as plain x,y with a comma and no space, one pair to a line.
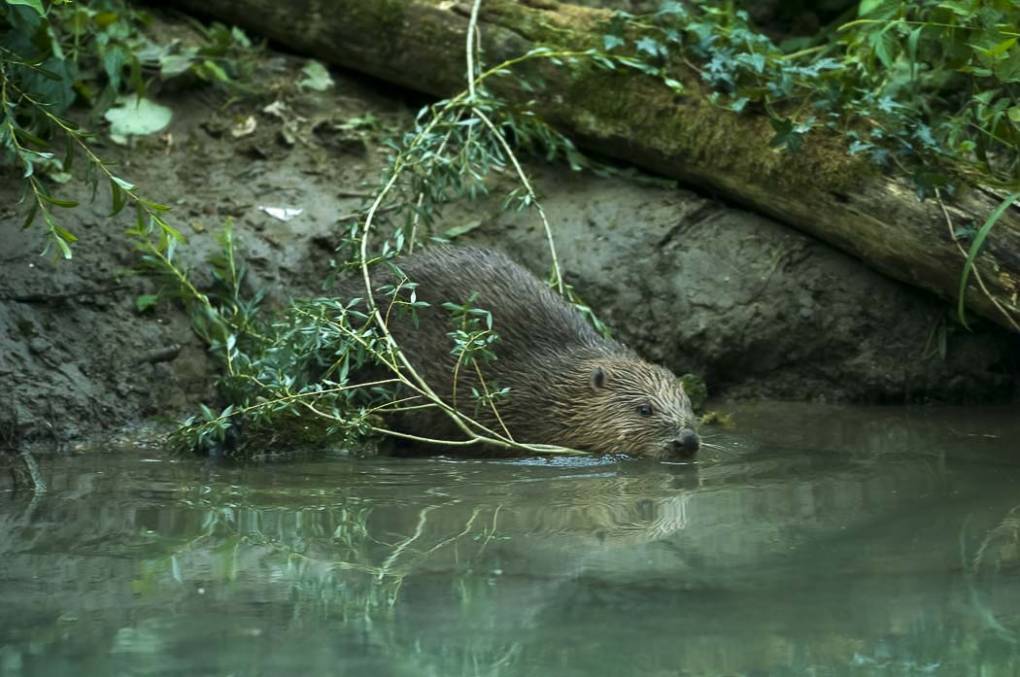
820,189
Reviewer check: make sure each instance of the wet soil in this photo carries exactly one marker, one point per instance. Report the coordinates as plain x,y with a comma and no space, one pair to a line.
757,309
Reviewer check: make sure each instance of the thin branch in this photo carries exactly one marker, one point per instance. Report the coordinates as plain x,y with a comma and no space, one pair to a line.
531,194
469,50
492,403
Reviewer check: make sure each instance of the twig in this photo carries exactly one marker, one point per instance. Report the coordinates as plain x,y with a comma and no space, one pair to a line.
492,403
428,440
417,214
531,194
469,50
297,397
393,357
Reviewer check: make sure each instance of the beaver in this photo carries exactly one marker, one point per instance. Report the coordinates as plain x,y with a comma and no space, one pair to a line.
568,385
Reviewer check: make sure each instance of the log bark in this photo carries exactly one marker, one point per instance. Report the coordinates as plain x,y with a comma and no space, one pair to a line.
820,189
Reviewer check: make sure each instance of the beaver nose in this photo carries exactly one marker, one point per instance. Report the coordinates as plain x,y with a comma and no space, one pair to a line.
687,443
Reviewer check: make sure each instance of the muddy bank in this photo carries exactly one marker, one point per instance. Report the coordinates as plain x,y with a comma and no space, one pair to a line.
759,310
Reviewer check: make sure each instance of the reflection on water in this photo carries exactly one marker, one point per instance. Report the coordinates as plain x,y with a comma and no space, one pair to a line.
815,540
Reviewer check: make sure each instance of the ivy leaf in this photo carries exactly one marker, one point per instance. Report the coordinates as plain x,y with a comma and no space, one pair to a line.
755,61
611,42
790,135
924,135
672,7
782,127
651,47
738,105
887,105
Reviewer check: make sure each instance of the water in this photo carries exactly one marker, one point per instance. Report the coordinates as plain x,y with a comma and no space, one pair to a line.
816,541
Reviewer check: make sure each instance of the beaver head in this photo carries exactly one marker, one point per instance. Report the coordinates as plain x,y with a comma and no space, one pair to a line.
624,404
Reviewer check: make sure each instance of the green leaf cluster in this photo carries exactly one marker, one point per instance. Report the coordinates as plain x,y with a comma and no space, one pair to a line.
929,88
55,54
324,371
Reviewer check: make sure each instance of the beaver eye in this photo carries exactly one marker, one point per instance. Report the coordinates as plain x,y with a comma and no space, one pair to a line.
645,409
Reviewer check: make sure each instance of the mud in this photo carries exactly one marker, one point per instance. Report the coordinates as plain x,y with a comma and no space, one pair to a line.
759,310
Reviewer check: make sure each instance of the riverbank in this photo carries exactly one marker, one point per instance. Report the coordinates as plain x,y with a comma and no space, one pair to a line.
755,308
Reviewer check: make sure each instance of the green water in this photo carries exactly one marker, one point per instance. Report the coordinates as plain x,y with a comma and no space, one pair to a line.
814,541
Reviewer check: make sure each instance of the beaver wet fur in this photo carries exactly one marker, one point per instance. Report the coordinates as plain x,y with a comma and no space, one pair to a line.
569,385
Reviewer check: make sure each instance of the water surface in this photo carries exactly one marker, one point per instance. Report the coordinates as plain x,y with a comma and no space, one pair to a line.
814,540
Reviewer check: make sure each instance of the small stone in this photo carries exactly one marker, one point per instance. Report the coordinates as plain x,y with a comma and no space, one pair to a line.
38,346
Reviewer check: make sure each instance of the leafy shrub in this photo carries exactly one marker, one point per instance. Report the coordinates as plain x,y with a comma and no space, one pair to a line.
54,55
930,88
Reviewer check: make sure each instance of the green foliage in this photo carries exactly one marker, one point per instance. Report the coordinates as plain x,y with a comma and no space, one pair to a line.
327,370
943,77
696,389
275,370
473,338
54,54
927,87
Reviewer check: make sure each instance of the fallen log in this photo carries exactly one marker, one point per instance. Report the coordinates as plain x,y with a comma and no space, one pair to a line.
820,189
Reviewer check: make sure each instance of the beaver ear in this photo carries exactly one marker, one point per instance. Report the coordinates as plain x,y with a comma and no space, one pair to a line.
598,378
